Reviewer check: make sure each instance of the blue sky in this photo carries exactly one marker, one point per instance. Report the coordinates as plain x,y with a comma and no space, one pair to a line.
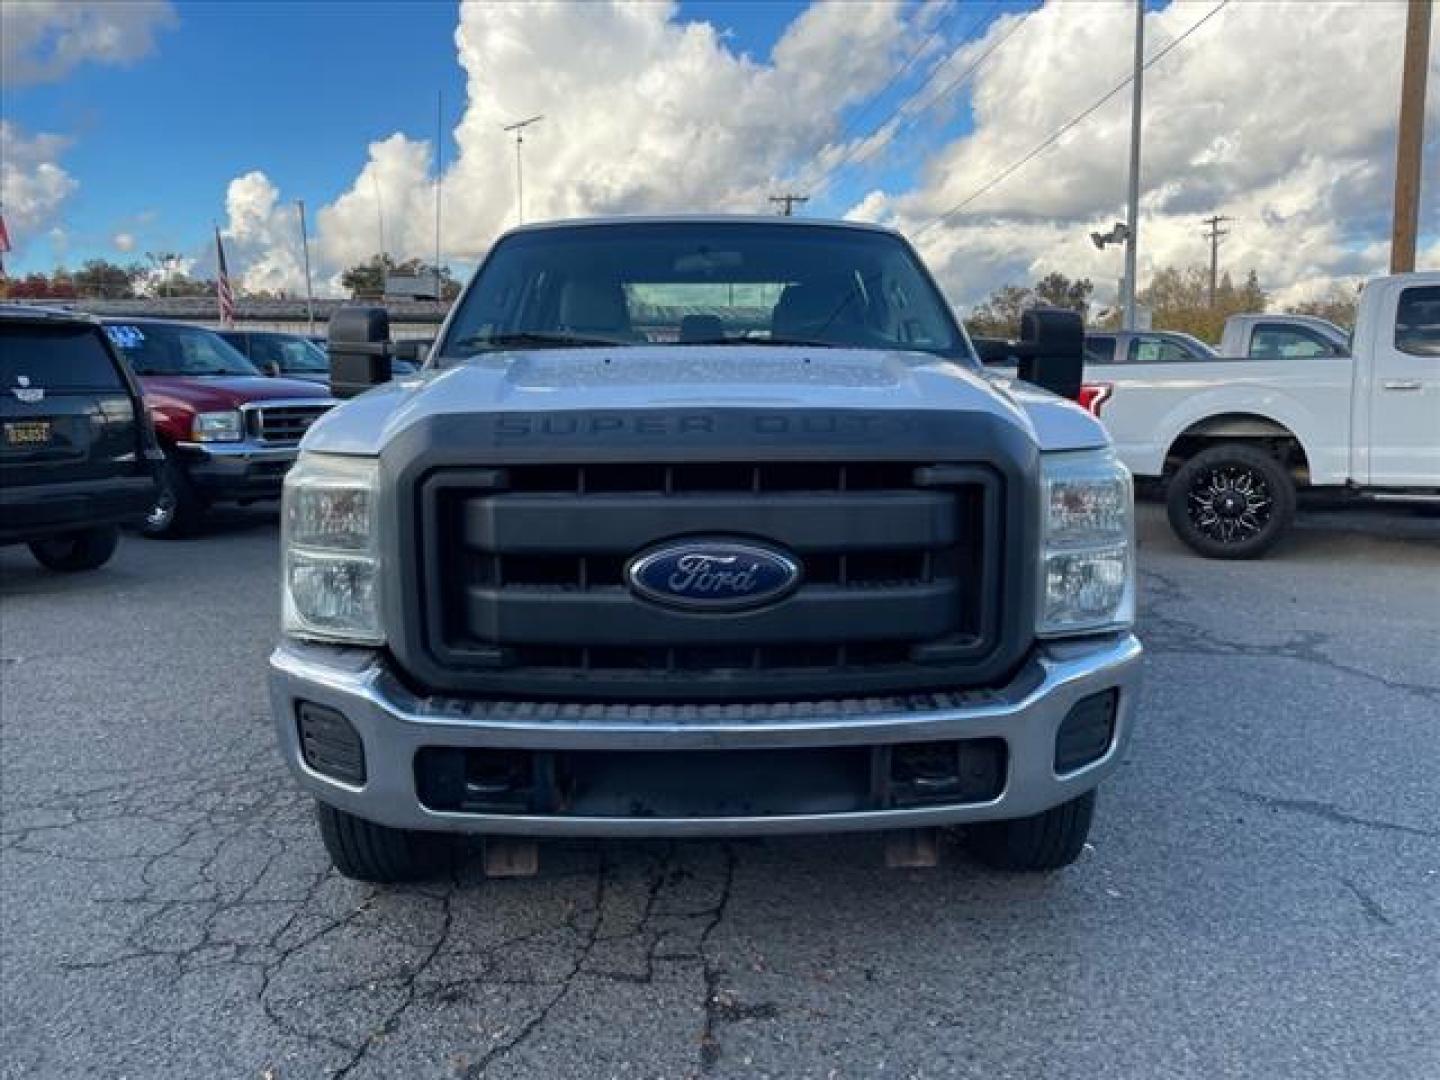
298,91
157,118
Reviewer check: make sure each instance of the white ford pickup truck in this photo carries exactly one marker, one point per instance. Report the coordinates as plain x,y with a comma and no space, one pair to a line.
1235,437
1279,337
695,527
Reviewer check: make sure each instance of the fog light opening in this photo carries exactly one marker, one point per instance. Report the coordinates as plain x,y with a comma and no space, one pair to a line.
330,744
1087,732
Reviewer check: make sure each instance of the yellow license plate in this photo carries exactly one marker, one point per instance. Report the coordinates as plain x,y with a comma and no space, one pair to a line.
27,433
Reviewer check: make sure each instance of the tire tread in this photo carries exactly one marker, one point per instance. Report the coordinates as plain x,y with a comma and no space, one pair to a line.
366,851
1282,489
1046,841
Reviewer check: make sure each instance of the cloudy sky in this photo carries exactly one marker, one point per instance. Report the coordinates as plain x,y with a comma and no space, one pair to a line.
134,127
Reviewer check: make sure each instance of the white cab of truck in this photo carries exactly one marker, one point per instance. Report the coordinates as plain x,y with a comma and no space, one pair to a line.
1282,337
1236,436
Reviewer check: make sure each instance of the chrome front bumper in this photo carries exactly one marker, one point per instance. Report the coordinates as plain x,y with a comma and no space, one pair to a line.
394,723
237,470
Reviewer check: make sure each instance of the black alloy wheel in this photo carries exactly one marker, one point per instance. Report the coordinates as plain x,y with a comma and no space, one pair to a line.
1231,501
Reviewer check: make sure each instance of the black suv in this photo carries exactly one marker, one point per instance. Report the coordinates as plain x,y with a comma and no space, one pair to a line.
77,453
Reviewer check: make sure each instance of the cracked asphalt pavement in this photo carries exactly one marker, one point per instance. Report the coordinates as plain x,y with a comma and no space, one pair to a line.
1261,898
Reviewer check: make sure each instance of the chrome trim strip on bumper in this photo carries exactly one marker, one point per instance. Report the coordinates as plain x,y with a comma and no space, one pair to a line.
394,723
249,451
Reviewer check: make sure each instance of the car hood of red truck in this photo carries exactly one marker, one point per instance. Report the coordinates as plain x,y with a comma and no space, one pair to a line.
214,392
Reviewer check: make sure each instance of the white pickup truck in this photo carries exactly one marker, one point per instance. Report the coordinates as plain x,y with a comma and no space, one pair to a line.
1281,337
1234,437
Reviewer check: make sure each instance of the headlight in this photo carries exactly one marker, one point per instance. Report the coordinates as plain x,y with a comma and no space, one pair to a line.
1087,564
224,426
331,585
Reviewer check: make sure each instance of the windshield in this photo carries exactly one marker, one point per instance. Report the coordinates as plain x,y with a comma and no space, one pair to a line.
292,354
1202,348
703,283
176,349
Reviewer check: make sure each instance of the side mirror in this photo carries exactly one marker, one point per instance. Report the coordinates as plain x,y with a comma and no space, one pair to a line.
272,369
1052,350
359,348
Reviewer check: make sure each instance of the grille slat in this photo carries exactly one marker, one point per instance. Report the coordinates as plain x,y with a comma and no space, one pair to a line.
528,576
282,424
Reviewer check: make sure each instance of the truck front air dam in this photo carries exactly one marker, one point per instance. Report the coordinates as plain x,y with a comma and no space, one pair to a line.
393,725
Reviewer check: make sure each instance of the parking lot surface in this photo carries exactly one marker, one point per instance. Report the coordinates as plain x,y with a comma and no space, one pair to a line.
1261,899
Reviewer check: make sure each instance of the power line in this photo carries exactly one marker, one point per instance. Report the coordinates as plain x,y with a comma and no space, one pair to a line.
849,156
952,7
1064,128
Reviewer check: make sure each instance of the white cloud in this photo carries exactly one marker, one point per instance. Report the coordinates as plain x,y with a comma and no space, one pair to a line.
873,207
33,186
123,241
1284,123
43,40
262,236
642,113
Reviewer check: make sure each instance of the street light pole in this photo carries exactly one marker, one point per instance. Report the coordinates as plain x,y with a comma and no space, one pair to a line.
1133,203
305,247
519,129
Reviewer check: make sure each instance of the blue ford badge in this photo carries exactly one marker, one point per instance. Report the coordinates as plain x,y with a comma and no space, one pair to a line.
713,575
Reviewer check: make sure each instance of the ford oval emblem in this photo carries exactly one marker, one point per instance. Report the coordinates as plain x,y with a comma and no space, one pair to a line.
713,575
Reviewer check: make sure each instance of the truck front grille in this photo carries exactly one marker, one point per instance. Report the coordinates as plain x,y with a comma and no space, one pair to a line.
284,424
522,575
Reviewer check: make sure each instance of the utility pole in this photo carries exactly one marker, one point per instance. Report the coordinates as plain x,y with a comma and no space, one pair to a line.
1214,235
519,129
439,171
380,220
305,247
788,202
1132,238
1410,138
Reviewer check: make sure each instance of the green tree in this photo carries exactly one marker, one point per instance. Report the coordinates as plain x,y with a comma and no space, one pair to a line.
999,315
101,279
1179,299
1057,290
185,285
367,279
1339,305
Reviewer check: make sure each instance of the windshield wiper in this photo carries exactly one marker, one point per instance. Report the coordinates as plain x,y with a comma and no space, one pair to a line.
777,342
540,338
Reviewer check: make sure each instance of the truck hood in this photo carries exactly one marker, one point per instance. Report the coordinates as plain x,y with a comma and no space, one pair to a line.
214,392
697,377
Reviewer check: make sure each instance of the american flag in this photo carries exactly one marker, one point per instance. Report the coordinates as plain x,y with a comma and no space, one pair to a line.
223,293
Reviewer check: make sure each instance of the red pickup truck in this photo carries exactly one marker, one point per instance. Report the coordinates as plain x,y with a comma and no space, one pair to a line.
229,433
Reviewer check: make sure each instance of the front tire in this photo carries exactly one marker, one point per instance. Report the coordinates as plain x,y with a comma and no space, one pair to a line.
71,552
176,508
1231,502
1045,841
365,851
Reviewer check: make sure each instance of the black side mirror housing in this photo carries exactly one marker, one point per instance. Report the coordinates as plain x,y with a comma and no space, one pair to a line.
1051,350
359,348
